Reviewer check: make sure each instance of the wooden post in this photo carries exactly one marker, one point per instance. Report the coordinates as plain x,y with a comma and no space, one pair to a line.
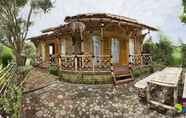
76,63
141,59
175,95
93,66
148,94
59,60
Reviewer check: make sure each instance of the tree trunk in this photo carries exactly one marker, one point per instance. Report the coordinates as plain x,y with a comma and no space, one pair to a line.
20,60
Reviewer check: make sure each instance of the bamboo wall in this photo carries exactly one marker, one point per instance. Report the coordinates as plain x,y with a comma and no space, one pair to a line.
87,47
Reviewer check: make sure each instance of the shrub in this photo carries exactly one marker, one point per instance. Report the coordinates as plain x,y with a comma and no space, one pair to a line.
141,71
10,103
53,69
6,56
29,51
184,55
136,72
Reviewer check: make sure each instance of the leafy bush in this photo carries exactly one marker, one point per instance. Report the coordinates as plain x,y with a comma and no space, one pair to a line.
6,56
53,69
10,103
29,51
136,72
176,59
141,71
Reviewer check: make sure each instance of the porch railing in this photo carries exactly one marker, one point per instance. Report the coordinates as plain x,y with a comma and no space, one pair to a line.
140,59
87,63
90,63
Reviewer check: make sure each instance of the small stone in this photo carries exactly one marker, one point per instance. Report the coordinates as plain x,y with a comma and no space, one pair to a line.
39,114
51,104
27,100
90,89
97,108
63,112
60,97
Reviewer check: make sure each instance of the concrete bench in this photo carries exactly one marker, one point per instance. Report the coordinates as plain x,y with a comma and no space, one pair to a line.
184,88
142,84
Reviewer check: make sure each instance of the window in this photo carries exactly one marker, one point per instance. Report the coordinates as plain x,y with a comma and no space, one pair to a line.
51,49
96,47
62,48
115,50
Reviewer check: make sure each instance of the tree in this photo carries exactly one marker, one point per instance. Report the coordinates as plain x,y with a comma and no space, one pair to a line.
148,46
14,27
183,16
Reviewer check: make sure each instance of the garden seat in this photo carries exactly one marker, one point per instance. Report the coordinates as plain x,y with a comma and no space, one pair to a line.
121,74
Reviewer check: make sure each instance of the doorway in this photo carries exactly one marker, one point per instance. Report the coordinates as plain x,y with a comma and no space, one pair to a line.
51,50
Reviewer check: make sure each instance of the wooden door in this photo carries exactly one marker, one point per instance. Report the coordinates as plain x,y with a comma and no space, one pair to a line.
124,52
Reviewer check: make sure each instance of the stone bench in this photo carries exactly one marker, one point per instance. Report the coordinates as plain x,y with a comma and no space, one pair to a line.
142,84
184,88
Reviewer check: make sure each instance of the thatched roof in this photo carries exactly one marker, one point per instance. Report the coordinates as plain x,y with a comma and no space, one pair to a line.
97,17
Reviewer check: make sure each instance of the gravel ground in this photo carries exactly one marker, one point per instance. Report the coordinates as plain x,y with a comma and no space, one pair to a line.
65,100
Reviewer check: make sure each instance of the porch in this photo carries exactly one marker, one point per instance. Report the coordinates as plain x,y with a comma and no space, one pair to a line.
91,63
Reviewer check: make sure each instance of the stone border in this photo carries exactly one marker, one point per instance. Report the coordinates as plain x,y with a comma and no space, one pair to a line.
86,77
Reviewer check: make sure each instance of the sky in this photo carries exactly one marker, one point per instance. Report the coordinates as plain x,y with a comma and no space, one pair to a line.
163,14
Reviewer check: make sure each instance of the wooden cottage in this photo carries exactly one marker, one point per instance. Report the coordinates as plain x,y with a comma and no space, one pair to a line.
93,44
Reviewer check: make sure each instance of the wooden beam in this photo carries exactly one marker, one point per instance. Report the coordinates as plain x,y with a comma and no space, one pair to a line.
162,105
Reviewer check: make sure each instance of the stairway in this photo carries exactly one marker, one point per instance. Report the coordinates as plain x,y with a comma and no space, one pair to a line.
121,74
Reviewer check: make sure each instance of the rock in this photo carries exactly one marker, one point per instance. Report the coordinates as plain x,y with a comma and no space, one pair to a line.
39,114
60,97
97,108
90,89
63,112
27,100
72,115
51,104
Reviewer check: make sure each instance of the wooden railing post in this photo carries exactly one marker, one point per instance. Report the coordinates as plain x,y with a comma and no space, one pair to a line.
111,65
142,57
59,60
93,66
76,62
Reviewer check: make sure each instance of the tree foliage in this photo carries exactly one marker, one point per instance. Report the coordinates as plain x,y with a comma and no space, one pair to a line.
163,52
183,16
184,55
14,27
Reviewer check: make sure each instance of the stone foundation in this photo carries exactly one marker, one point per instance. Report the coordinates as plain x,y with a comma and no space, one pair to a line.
86,77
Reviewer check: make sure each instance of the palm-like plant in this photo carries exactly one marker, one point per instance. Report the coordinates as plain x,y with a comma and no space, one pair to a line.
77,36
